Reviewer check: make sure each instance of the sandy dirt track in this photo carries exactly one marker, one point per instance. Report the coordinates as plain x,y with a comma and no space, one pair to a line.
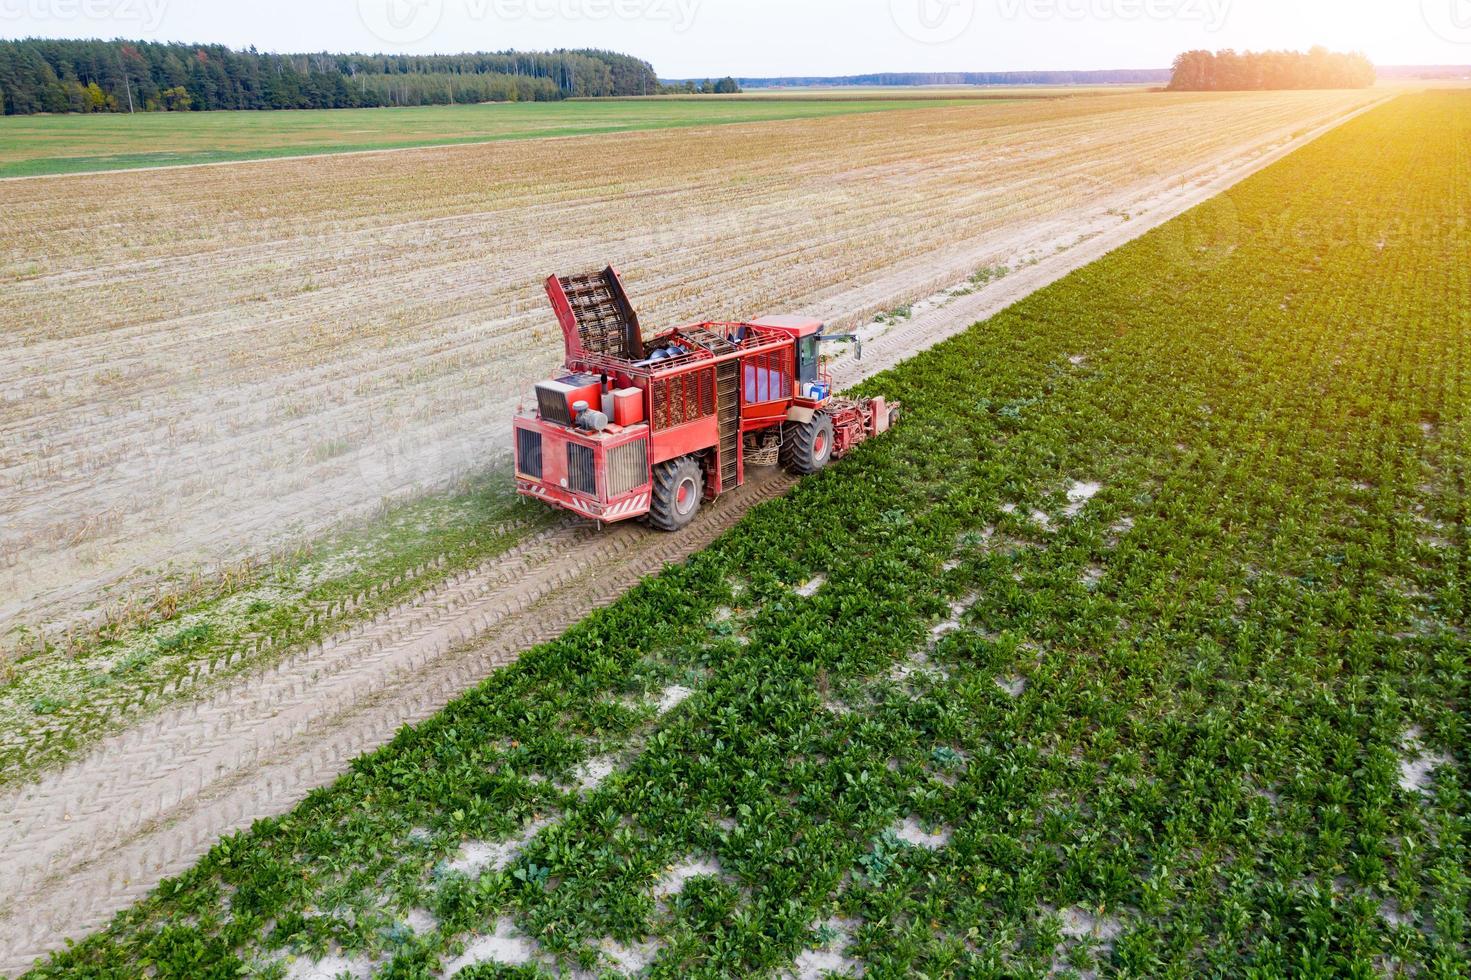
199,364
84,842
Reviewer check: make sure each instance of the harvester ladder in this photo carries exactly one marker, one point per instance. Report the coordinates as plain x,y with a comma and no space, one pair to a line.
728,408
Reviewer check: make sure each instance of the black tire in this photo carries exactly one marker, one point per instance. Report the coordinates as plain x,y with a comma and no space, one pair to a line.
807,448
679,486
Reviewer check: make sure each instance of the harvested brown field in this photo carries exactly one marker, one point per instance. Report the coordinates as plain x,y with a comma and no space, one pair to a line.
202,363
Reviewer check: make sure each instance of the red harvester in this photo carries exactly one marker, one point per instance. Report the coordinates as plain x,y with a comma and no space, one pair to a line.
652,429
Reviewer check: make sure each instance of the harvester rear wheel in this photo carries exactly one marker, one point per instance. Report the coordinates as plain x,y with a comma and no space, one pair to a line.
679,486
807,447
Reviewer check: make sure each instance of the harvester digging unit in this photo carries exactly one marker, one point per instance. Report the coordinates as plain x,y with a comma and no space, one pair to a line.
636,429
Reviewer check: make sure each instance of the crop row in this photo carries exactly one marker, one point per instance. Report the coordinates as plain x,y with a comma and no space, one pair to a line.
1140,648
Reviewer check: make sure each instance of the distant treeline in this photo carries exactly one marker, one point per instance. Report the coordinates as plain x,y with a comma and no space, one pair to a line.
1143,76
121,76
1423,71
725,86
408,88
1228,71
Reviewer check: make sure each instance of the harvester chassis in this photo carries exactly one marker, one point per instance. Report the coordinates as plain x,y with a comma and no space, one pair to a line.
650,429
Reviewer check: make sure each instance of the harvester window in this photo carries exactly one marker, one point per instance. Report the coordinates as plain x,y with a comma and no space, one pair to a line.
768,377
807,354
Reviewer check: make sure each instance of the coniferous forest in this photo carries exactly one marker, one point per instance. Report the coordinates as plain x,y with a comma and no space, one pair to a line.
123,76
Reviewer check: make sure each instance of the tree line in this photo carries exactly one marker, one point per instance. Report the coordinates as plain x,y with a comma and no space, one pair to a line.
1204,71
38,75
1126,76
726,86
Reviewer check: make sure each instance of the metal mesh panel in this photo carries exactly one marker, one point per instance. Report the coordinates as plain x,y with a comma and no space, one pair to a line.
606,321
628,468
684,398
553,405
582,472
528,453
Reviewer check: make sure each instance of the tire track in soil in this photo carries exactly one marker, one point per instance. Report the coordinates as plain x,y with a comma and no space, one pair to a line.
85,842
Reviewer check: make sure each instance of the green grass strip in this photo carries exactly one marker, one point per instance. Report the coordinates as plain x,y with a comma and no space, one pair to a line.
34,146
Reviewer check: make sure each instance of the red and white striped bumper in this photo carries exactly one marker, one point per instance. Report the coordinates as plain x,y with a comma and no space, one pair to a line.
634,505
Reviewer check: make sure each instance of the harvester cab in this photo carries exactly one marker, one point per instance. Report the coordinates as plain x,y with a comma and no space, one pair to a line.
651,429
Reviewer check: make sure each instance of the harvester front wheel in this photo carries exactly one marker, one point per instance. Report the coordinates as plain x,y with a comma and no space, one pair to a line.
679,486
807,447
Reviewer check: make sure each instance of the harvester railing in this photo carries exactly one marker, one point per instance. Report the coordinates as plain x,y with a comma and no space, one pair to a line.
749,338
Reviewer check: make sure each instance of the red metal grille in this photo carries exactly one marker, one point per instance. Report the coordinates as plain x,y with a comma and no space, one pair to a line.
628,468
582,470
684,398
744,337
767,377
528,453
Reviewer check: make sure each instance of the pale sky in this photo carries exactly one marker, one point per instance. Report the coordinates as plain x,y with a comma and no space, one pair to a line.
785,37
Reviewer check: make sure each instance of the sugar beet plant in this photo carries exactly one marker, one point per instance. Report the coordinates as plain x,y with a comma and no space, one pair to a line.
1141,649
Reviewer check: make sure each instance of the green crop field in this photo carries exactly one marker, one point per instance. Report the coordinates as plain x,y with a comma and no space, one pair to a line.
1140,649
33,146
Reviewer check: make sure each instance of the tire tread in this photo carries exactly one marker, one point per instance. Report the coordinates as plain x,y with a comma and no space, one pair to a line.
798,441
667,478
